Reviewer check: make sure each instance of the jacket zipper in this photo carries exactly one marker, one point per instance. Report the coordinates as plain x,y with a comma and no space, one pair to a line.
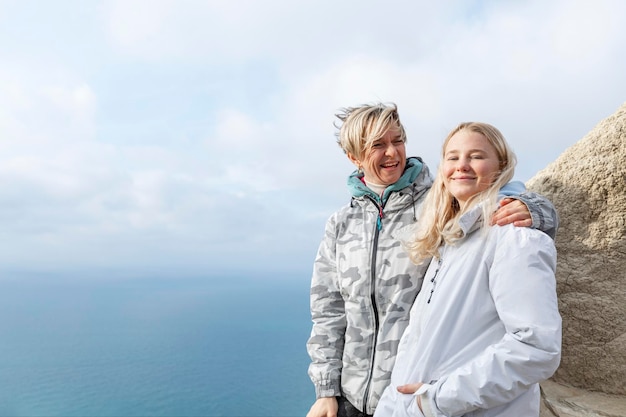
373,299
433,280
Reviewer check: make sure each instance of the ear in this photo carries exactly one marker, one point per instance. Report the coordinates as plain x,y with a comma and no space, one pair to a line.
354,160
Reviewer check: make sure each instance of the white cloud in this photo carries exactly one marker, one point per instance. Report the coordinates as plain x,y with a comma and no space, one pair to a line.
166,29
200,133
45,113
588,32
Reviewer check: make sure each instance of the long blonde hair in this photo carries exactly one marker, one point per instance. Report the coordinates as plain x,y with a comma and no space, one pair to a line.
439,224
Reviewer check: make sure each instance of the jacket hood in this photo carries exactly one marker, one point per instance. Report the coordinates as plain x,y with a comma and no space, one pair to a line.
413,168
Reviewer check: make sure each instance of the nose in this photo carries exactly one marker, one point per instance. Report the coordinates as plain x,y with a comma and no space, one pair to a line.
390,150
462,164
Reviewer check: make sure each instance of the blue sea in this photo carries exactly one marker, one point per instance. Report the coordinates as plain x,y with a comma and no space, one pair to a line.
154,347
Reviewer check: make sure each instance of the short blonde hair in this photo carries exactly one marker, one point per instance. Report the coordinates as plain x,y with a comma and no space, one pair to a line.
360,126
438,224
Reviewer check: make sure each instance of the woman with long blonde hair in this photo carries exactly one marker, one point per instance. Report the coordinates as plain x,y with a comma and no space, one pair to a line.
485,328
441,210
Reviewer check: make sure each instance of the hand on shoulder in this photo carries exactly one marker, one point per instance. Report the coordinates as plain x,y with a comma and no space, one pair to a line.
512,211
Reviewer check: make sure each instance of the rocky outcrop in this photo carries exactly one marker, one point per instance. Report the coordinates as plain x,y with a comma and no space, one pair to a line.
565,401
587,184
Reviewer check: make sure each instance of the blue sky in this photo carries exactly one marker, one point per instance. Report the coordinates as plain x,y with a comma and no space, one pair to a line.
184,137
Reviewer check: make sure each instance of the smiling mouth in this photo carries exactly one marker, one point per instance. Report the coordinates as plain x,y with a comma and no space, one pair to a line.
390,165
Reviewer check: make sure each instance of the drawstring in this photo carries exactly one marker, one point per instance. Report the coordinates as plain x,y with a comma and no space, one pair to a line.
413,200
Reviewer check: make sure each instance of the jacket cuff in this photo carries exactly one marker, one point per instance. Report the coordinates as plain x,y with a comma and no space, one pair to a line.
330,388
427,407
539,221
542,213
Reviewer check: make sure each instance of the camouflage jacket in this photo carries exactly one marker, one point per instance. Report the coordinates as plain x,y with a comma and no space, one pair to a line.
362,290
364,285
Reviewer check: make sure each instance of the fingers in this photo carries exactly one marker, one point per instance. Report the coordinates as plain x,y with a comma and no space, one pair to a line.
517,219
409,388
523,223
512,211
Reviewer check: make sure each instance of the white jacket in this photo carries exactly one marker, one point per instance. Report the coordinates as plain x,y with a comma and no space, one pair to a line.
490,332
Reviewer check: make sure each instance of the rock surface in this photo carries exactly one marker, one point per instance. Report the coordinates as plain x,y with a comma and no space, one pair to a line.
564,401
587,184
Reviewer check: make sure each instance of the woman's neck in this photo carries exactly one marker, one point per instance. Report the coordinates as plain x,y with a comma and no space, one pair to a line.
379,189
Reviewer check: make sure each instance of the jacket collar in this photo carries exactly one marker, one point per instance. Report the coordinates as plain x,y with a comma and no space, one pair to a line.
472,220
411,171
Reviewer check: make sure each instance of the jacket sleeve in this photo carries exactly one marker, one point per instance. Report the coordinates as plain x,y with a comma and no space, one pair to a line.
542,211
325,346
